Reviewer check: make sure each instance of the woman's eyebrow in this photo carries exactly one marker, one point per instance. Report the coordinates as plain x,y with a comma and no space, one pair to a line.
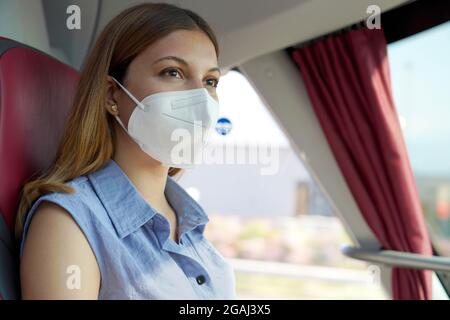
183,62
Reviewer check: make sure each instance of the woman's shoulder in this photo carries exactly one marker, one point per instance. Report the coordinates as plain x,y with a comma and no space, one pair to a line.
81,205
59,227
81,199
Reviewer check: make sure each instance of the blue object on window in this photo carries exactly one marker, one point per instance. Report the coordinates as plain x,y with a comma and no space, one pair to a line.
223,126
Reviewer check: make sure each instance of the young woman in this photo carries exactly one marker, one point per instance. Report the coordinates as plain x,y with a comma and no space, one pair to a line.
108,220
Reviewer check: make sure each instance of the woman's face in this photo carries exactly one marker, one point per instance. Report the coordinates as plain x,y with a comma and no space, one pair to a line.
182,60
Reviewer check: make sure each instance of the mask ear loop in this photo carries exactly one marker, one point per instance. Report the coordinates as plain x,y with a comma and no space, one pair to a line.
121,123
132,98
138,103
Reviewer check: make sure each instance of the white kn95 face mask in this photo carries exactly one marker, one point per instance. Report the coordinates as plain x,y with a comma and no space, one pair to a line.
173,126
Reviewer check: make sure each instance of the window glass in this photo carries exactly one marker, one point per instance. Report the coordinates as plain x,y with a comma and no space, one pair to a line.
420,67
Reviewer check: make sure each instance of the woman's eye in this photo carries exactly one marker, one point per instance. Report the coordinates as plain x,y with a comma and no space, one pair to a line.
213,82
171,72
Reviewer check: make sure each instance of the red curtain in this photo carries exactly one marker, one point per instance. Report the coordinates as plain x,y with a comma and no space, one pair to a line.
348,82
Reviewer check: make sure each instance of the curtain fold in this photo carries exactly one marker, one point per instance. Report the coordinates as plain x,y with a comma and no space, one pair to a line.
348,81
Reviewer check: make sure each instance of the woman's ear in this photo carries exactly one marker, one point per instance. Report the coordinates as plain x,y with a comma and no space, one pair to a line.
112,91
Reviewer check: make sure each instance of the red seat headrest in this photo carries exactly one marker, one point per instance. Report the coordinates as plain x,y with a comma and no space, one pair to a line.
36,93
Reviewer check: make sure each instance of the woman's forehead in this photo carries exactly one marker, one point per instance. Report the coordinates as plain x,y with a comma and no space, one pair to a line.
194,47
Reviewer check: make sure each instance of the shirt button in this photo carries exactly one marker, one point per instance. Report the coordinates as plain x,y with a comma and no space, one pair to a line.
201,279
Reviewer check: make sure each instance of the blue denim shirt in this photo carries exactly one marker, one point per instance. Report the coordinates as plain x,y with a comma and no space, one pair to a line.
130,239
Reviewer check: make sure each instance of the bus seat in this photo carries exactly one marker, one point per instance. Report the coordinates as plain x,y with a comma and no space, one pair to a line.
36,93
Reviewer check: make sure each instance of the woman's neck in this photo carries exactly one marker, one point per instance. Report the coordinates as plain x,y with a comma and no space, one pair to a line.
147,175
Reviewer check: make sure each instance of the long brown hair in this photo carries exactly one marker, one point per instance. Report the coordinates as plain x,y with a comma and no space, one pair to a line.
88,140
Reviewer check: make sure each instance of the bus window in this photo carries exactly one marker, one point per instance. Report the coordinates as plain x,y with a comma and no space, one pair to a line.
419,71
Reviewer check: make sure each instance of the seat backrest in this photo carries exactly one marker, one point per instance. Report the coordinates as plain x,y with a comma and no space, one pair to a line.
36,93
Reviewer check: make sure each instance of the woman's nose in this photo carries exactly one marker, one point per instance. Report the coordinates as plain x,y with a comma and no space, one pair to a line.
196,84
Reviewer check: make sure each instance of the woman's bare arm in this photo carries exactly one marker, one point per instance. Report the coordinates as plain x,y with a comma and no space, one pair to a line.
57,260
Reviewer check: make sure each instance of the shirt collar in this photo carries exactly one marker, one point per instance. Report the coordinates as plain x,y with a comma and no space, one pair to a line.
127,208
